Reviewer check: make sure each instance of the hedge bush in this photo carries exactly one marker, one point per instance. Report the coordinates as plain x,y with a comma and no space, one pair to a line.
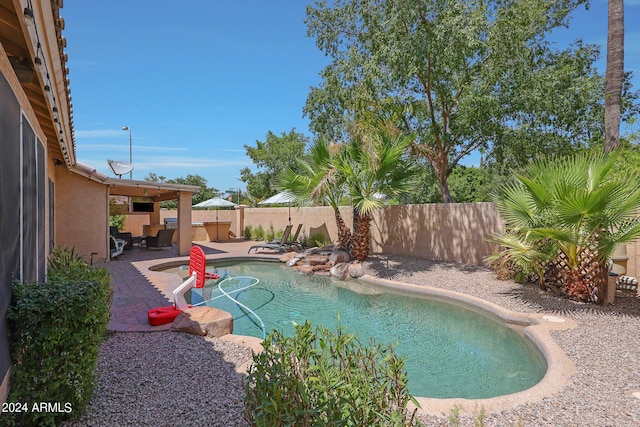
56,329
324,378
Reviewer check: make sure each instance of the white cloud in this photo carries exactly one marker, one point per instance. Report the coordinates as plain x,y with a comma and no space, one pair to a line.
152,163
136,148
98,133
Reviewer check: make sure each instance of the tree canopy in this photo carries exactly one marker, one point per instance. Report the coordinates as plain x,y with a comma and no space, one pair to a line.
203,194
272,156
460,75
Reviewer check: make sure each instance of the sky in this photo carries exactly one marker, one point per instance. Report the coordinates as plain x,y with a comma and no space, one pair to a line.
197,81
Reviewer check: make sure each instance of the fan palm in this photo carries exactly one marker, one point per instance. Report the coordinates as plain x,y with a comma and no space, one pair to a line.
366,169
571,207
317,182
372,168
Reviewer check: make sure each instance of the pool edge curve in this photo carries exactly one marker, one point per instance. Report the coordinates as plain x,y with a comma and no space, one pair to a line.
537,329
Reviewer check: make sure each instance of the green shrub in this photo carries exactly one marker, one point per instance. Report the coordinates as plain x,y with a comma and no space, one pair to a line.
326,378
279,234
317,239
304,239
56,329
248,231
116,221
270,234
258,233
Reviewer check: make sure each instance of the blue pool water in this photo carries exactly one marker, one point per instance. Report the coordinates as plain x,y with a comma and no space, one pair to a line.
450,351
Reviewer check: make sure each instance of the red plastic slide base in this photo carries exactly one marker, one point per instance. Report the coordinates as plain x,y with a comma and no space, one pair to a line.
162,315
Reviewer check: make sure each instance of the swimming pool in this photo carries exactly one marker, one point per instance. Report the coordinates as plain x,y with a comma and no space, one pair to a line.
451,351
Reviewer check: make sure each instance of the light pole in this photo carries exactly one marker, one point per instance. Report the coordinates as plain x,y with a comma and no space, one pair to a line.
233,190
130,150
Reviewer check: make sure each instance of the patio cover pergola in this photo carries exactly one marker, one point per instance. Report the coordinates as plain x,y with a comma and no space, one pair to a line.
159,192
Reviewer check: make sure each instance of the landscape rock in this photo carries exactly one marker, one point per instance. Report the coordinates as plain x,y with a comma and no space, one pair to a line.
293,261
356,270
287,256
338,257
340,271
315,260
305,269
204,321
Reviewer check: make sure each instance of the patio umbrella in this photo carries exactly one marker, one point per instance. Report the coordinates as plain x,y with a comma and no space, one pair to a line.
216,203
280,199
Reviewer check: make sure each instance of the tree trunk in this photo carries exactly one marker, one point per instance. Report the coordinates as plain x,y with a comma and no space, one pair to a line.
344,234
614,77
361,235
440,169
444,191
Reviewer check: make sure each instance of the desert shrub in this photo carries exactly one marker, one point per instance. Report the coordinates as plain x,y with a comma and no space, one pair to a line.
248,231
326,378
304,239
270,234
55,330
317,239
257,233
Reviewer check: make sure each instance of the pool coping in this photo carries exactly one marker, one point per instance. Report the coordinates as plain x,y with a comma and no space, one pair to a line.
535,326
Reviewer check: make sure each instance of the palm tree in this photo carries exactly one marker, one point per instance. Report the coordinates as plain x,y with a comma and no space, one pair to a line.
371,167
573,209
614,77
317,182
367,169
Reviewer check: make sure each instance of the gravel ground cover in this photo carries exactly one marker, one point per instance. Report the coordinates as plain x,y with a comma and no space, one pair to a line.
167,378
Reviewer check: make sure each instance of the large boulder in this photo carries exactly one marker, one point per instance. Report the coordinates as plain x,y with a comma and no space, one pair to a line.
356,270
203,321
338,257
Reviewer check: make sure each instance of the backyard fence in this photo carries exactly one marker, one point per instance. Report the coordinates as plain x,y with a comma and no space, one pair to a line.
454,232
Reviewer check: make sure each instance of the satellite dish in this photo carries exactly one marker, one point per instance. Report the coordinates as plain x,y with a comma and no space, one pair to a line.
120,167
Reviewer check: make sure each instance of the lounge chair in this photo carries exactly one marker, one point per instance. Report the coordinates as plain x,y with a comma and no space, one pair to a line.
116,246
161,240
279,245
293,242
126,236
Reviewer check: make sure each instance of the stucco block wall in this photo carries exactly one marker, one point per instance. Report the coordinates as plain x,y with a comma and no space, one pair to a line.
455,232
307,216
81,220
633,252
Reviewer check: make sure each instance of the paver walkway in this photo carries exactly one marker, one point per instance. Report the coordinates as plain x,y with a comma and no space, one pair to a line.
134,293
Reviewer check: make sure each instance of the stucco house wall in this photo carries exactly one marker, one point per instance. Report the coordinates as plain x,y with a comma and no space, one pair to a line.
82,220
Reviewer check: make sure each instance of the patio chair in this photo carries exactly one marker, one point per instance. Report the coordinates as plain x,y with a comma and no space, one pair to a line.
293,242
279,245
162,239
126,236
116,246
